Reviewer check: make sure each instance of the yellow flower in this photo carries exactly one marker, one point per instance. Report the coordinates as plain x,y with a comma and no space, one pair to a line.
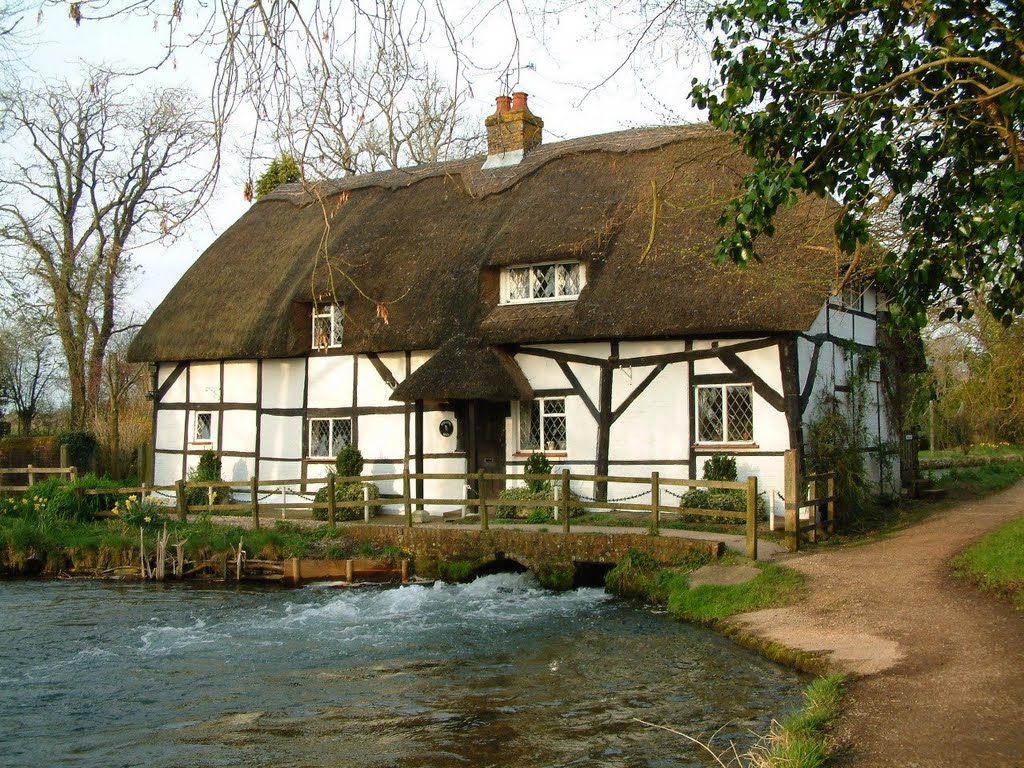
147,518
133,498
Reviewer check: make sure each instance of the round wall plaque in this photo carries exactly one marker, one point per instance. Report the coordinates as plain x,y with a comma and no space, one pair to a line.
446,428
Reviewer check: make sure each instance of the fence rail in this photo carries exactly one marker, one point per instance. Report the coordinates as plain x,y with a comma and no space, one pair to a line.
30,472
261,493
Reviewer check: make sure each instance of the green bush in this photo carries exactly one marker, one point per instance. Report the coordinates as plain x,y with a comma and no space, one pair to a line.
523,493
349,462
81,448
727,500
208,469
720,467
346,492
537,464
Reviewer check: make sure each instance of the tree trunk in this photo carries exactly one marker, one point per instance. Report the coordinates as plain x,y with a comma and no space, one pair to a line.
25,422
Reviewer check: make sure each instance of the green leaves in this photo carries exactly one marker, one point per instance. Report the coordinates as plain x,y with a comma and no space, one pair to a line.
912,117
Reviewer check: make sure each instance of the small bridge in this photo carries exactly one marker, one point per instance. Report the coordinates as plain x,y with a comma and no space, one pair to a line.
567,559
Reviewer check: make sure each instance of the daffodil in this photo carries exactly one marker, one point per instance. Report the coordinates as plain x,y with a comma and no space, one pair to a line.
147,518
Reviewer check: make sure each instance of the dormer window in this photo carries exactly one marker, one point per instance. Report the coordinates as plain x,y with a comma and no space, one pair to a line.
328,326
558,281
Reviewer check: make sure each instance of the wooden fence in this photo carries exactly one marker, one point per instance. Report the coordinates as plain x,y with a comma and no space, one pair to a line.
32,473
561,506
816,492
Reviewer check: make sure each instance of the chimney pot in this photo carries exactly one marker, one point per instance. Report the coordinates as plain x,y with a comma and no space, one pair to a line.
519,101
504,104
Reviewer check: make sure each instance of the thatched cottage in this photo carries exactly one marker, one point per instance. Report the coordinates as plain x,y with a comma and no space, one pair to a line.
549,297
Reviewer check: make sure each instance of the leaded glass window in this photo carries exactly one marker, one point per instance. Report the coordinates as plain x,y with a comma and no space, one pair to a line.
725,413
328,326
543,282
204,427
328,436
542,425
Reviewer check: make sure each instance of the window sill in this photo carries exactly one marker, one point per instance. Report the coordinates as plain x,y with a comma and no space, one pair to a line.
526,302
747,446
201,442
549,454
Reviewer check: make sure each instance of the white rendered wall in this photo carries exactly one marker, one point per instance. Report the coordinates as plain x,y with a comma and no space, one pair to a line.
204,383
240,382
330,381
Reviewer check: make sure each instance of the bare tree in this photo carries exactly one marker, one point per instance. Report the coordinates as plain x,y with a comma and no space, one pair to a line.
29,369
387,113
122,387
92,171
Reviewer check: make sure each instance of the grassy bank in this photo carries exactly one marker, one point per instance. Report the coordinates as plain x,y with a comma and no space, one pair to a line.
801,740
962,483
640,576
35,545
996,563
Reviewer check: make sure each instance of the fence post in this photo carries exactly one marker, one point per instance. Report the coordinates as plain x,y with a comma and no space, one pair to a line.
564,510
482,498
31,476
179,498
406,494
655,503
65,456
831,503
815,511
209,497
752,517
792,494
366,506
332,504
254,493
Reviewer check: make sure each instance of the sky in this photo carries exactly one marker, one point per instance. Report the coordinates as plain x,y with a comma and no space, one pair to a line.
569,64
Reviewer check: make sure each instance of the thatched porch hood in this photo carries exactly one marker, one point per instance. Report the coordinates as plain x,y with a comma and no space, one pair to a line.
638,207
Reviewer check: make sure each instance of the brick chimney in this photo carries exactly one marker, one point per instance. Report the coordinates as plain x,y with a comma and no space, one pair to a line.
512,131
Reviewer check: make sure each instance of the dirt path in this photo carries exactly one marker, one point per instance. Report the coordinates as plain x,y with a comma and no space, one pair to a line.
944,663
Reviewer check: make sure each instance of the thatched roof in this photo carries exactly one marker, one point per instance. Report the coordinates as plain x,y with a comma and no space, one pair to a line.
639,207
464,369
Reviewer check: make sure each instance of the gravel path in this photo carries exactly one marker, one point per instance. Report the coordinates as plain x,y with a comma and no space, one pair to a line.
943,664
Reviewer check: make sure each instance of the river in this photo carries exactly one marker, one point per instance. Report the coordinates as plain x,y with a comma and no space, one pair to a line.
497,672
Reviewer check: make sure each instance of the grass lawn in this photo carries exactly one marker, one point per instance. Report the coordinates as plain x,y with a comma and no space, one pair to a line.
982,449
997,562
961,483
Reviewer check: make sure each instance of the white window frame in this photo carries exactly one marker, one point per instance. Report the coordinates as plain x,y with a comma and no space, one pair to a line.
724,436
195,427
506,283
336,316
524,412
850,297
332,449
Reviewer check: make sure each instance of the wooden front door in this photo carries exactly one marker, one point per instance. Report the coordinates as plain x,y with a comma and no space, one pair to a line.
490,443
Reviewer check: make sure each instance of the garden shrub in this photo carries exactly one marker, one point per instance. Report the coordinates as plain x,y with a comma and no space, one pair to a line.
835,444
537,464
208,469
523,493
346,492
349,463
722,468
81,448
